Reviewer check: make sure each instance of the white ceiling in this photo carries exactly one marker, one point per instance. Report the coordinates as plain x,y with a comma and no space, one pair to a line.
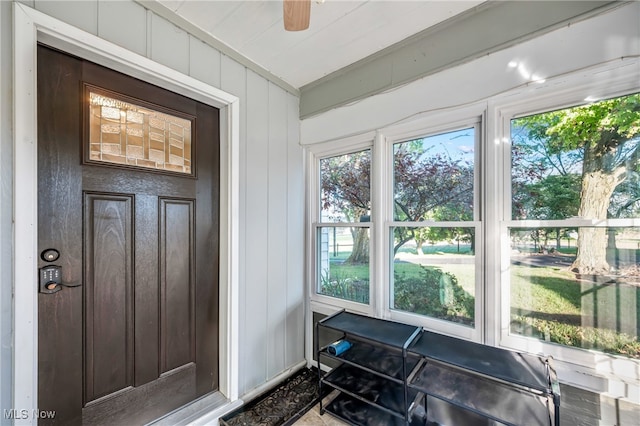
340,33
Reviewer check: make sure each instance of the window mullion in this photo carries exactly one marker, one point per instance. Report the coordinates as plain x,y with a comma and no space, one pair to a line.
493,198
380,198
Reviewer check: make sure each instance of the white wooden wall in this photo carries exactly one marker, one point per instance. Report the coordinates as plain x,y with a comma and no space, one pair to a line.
271,294
6,159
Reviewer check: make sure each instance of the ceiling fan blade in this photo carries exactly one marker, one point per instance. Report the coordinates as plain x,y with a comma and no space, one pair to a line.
296,14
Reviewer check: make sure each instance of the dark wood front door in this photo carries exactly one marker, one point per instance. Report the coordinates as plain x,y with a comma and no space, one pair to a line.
138,337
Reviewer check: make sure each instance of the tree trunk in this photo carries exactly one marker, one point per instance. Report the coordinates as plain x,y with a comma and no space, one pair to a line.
360,252
597,188
611,244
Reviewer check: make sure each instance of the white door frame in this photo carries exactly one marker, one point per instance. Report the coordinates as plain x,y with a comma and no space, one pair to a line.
29,28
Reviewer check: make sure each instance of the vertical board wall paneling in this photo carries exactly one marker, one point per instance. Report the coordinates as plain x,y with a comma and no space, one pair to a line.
257,236
131,33
81,14
6,208
169,45
204,62
294,339
277,231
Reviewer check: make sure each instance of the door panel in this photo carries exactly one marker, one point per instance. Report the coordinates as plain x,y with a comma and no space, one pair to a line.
139,338
108,288
176,283
147,362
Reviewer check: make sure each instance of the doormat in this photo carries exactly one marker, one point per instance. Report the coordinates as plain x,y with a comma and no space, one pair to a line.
281,406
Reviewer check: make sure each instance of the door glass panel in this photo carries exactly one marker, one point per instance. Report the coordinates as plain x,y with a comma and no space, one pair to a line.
131,134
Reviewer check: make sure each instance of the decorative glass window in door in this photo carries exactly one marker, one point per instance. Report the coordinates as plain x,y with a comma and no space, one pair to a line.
130,132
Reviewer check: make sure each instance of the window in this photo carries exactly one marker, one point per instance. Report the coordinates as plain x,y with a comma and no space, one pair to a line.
574,243
569,240
434,234
343,237
493,223
133,133
427,237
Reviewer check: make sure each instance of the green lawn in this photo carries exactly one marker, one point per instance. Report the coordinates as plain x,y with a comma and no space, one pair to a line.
550,304
546,290
546,303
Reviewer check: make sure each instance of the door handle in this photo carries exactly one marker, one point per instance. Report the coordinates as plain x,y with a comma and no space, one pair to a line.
51,280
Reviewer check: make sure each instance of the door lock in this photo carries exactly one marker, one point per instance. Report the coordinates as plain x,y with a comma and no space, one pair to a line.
51,279
50,255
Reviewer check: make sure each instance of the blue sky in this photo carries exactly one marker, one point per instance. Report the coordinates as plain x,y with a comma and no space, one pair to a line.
459,144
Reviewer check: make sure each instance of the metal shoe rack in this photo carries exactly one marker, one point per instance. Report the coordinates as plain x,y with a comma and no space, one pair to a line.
391,370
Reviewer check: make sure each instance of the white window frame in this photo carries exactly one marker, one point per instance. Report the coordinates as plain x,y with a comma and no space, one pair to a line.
381,144
320,302
576,365
462,118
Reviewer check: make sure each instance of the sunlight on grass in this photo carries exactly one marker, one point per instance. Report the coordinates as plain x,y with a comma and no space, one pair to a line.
546,290
550,304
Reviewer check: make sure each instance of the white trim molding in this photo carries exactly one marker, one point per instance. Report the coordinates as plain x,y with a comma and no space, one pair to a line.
29,28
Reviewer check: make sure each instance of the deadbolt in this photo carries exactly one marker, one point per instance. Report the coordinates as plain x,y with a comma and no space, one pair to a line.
50,255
